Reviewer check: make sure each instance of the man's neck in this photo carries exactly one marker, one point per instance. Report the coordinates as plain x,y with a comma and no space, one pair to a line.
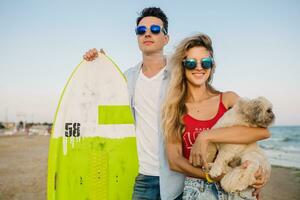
153,63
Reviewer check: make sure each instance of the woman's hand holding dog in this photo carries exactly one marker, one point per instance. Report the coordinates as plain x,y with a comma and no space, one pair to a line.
198,157
260,176
199,151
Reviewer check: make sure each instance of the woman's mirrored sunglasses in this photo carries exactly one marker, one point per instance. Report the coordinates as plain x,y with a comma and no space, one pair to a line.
191,63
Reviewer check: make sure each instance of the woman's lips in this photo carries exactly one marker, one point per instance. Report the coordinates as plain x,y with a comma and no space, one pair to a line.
199,74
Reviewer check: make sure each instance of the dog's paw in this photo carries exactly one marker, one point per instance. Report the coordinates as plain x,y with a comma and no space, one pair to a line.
216,171
237,180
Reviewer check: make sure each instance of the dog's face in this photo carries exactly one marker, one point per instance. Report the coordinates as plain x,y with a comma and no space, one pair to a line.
258,112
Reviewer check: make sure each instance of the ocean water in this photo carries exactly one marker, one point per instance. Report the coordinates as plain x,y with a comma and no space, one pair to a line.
283,147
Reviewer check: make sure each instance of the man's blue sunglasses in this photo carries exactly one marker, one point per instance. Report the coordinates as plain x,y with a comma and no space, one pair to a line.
155,29
191,63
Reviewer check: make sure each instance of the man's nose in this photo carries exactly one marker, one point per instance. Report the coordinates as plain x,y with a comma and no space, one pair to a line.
148,33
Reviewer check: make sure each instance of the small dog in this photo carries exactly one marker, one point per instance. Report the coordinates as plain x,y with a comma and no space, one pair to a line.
251,113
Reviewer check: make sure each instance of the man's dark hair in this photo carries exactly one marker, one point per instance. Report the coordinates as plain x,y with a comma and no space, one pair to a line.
154,12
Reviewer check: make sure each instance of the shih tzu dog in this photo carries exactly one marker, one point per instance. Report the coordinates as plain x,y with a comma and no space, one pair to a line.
251,113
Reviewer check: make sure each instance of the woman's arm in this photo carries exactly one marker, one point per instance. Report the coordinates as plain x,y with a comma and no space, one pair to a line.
236,134
180,164
233,135
224,135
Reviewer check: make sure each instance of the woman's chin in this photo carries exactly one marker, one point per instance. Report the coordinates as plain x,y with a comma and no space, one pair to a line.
197,83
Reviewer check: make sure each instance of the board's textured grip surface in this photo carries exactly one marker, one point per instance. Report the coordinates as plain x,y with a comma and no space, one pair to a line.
99,175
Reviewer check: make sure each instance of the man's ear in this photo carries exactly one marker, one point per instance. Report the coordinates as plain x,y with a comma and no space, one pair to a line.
166,40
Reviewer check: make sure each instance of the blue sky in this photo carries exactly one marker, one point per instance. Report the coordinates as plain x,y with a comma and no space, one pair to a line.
256,43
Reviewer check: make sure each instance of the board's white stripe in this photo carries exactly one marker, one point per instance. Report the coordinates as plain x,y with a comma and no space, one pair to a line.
116,131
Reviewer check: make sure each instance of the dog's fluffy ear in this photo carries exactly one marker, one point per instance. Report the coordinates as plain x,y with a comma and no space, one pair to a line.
241,103
250,109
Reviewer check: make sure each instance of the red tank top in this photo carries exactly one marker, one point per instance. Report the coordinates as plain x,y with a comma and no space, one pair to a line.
194,126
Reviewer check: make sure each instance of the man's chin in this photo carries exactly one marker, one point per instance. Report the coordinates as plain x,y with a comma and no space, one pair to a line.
150,50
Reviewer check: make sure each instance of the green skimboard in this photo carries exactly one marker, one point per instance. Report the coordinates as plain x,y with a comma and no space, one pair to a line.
93,154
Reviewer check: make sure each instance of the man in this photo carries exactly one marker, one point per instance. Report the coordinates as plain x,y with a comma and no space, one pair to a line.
147,84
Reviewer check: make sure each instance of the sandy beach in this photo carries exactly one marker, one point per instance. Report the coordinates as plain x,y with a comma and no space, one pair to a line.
23,171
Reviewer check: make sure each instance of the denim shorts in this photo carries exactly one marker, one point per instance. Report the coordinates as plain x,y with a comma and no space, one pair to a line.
199,189
146,188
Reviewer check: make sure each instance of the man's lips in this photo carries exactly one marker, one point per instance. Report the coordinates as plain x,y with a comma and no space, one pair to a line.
148,42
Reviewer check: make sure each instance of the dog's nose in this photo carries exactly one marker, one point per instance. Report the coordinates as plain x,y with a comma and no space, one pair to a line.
269,110
272,116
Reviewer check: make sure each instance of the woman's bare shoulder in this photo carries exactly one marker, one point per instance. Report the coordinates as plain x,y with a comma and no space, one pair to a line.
230,98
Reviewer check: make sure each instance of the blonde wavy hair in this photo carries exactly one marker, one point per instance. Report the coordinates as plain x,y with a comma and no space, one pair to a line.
174,105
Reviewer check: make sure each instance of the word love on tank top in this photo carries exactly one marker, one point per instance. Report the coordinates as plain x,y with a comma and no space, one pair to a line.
193,127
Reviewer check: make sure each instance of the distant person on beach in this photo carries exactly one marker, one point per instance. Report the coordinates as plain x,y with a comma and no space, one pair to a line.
2,126
192,107
147,85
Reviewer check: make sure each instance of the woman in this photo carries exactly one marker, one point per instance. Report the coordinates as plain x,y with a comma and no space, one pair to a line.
191,108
